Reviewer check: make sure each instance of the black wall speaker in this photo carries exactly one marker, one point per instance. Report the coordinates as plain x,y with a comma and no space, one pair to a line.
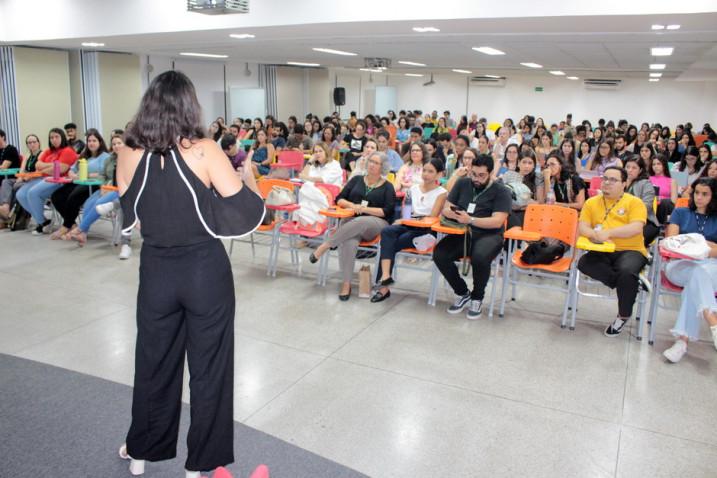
339,96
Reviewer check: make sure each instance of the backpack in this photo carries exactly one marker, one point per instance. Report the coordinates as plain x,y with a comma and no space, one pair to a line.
544,251
520,193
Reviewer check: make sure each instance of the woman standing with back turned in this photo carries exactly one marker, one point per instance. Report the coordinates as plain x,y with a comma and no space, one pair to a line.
181,188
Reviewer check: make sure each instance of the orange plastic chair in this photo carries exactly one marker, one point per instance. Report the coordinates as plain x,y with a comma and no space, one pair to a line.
542,221
700,139
682,202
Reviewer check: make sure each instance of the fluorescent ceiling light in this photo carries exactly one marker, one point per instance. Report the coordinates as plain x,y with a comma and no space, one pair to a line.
654,79
425,29
657,66
462,71
661,51
658,27
93,44
205,55
492,76
488,50
573,78
557,73
673,27
299,63
411,63
655,75
373,70
241,36
532,65
413,74
334,52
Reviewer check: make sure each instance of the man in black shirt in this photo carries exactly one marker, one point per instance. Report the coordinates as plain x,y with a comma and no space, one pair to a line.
77,144
483,206
9,157
621,151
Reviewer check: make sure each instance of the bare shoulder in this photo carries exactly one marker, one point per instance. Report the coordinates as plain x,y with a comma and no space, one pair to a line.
201,149
127,161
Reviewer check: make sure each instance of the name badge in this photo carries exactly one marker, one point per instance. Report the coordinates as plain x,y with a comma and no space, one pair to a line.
364,203
598,227
471,208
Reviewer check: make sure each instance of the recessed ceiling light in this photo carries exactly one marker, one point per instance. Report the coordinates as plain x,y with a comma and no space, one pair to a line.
654,79
93,44
205,55
462,71
241,36
488,50
573,78
661,51
655,75
673,27
532,65
426,29
334,52
373,70
300,63
557,73
413,74
657,66
658,27
411,63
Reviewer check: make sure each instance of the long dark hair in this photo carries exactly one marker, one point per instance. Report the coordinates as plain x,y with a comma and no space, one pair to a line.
528,179
86,153
690,151
63,139
712,206
640,164
665,167
168,114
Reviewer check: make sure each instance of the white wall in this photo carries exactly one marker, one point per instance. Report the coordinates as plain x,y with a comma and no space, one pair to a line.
668,101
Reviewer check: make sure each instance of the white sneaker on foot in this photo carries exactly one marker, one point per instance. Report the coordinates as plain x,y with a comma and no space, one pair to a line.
105,209
193,474
136,467
125,252
675,353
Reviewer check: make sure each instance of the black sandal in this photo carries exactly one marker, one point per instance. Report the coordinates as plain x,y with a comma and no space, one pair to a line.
313,259
379,297
346,297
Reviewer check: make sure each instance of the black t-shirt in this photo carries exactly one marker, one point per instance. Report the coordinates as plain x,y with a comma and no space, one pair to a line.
355,144
9,153
487,200
78,145
383,196
561,189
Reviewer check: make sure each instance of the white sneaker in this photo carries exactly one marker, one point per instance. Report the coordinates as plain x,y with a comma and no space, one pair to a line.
713,328
193,474
136,467
125,252
675,353
105,209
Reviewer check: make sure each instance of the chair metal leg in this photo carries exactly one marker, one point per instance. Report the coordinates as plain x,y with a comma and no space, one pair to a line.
253,251
507,266
493,285
433,293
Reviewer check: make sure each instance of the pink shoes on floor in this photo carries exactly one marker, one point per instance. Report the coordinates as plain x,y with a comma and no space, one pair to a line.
261,472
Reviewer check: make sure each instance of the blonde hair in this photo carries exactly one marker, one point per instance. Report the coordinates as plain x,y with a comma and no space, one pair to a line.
327,150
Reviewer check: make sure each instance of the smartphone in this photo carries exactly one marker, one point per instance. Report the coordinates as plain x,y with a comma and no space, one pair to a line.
456,208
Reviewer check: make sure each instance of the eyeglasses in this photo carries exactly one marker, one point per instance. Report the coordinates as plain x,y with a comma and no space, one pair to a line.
416,151
479,175
610,180
377,163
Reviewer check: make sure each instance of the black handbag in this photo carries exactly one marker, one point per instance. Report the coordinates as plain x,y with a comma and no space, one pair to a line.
544,251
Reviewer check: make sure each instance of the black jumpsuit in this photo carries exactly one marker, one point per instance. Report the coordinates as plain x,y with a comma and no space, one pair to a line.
185,303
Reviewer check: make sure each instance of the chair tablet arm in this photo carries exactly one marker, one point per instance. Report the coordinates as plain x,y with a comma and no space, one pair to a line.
585,244
108,187
424,222
518,234
338,212
447,230
286,207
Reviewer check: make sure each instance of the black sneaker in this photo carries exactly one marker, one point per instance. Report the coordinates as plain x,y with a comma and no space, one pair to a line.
460,304
40,229
614,329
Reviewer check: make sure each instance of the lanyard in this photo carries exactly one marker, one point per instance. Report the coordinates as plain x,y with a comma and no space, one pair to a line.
477,196
700,226
563,190
607,211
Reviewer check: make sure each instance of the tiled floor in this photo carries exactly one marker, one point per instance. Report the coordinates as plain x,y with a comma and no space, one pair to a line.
396,389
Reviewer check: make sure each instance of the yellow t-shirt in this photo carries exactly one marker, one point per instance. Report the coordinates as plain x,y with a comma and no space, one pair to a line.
612,214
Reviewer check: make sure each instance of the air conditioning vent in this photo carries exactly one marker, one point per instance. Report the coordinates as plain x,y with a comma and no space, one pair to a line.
600,84
487,81
218,7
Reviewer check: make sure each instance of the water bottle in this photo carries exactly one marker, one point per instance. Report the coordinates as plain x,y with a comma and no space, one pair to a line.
550,198
56,170
407,208
82,170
